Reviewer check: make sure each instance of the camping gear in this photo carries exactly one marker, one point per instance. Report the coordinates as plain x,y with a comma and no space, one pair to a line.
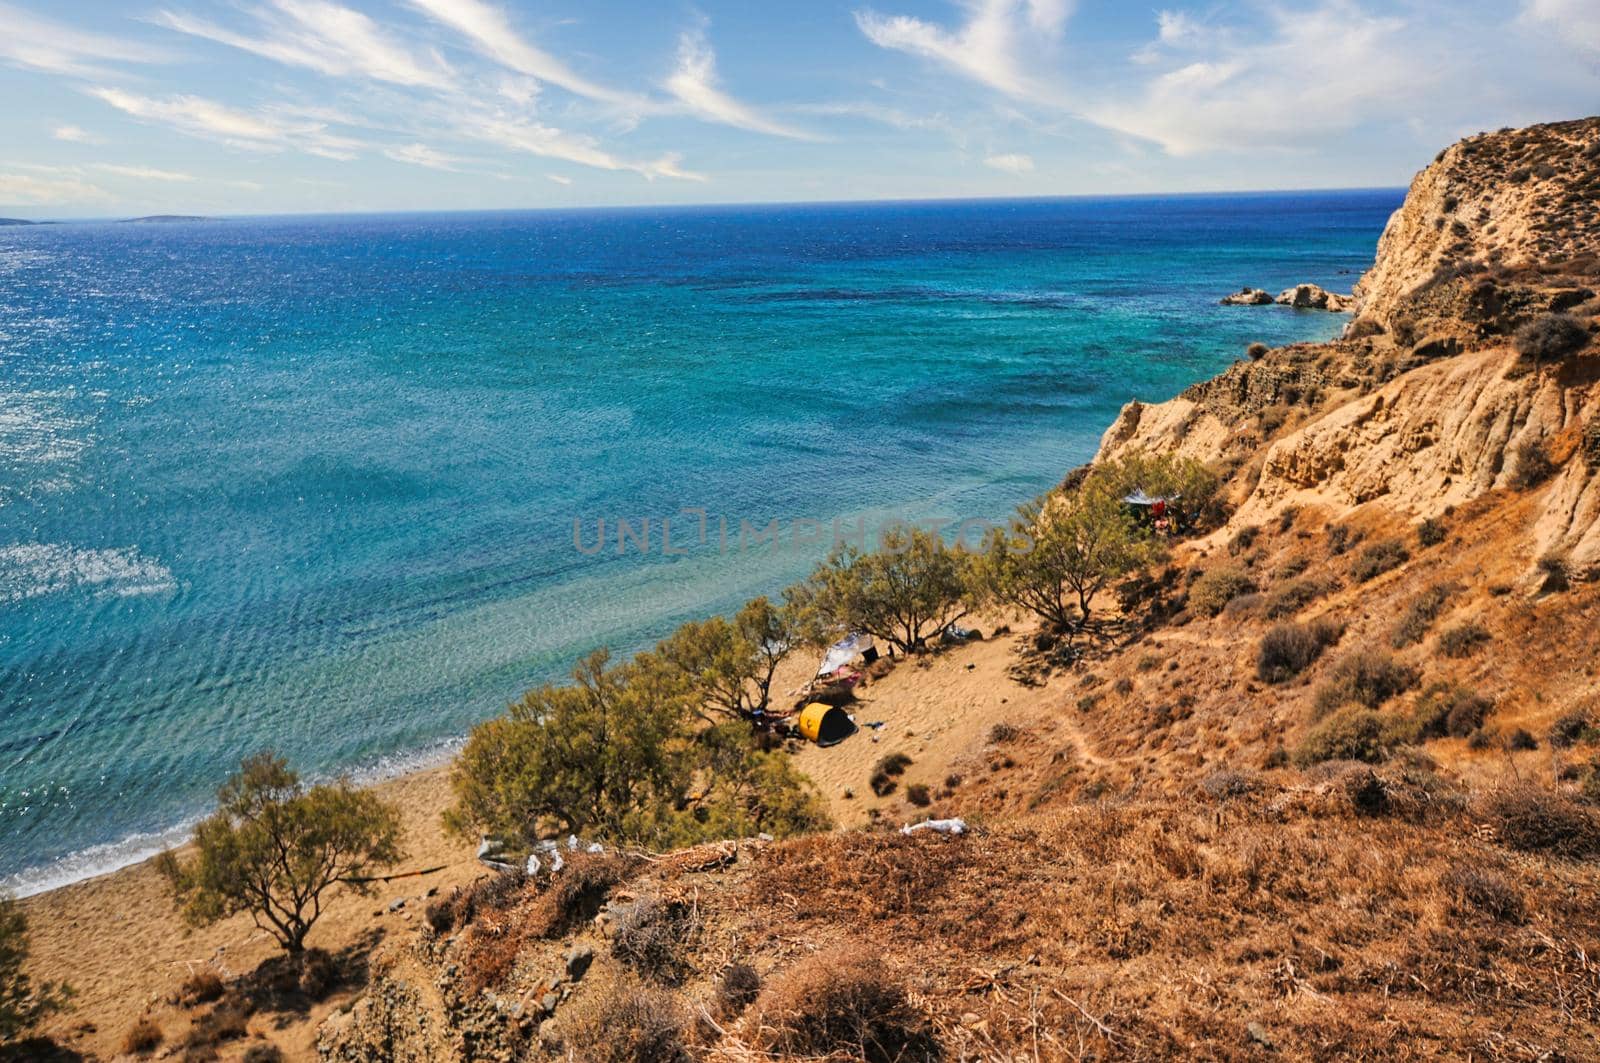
824,724
942,826
844,651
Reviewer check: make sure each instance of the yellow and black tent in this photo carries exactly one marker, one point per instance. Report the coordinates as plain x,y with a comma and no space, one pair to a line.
825,724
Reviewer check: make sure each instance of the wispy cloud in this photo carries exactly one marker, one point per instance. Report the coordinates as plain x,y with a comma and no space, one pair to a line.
75,135
492,35
989,47
1012,163
325,37
27,40
536,138
559,179
24,190
251,130
142,173
694,84
1577,21
423,155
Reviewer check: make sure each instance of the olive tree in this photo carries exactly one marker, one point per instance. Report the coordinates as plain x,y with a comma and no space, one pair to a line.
23,1003
274,848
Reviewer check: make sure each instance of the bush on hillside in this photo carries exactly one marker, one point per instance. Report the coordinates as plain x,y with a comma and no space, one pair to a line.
1421,613
843,1002
1365,677
1289,600
1289,649
737,989
1378,558
1448,709
1480,889
1568,729
1462,639
1351,733
1550,336
629,1024
1536,820
1216,587
1531,465
1430,532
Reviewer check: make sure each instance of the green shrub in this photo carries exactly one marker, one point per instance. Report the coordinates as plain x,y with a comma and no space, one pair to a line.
1216,587
1448,709
1462,639
903,594
1365,677
1550,336
1421,613
1351,733
1378,558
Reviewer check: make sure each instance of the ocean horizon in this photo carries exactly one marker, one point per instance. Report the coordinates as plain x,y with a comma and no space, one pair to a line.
332,484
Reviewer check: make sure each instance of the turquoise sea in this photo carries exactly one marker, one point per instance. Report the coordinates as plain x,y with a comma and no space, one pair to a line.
311,483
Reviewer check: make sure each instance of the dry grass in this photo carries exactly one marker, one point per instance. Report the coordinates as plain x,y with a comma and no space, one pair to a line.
629,1024
843,1002
142,1038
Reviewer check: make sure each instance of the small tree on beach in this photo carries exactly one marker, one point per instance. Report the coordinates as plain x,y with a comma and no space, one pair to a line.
23,1004
274,848
725,668
904,593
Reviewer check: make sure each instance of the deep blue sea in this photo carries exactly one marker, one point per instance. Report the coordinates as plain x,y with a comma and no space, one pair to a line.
311,483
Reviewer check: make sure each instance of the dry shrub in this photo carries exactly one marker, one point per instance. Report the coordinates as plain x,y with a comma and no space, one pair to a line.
228,1021
202,987
1378,558
1226,783
1365,677
1350,733
886,771
1557,569
1550,336
1449,709
1421,613
843,1001
651,935
1004,732
1288,601
1473,887
1289,649
917,794
1568,728
1218,586
630,1024
1531,465
262,1053
492,893
1430,532
737,989
1537,820
142,1038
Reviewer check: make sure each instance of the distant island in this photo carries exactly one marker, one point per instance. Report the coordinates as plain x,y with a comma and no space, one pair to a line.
17,221
163,219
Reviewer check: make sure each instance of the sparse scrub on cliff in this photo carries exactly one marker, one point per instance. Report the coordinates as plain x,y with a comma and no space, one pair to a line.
1419,616
843,1002
1365,677
1217,586
142,1038
1430,532
1289,649
1378,558
1287,601
1257,351
1556,569
1531,466
1463,639
1549,337
1568,729
1534,819
628,1024
652,936
1448,709
274,848
1341,537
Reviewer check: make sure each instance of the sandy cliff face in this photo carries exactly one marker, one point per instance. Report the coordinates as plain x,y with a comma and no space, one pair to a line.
1399,417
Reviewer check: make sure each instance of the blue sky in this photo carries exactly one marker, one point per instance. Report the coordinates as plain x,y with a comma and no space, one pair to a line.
262,106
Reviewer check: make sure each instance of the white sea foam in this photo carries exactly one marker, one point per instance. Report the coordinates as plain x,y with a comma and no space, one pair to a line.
31,570
92,862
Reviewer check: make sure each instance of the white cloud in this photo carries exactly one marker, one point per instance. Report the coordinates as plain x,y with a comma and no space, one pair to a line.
991,47
491,34
536,138
1012,163
142,173
422,155
1576,21
559,179
694,84
27,40
22,190
1293,79
255,131
75,135
324,37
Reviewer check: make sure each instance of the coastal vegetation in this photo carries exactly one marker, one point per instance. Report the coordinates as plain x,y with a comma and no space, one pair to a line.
274,848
